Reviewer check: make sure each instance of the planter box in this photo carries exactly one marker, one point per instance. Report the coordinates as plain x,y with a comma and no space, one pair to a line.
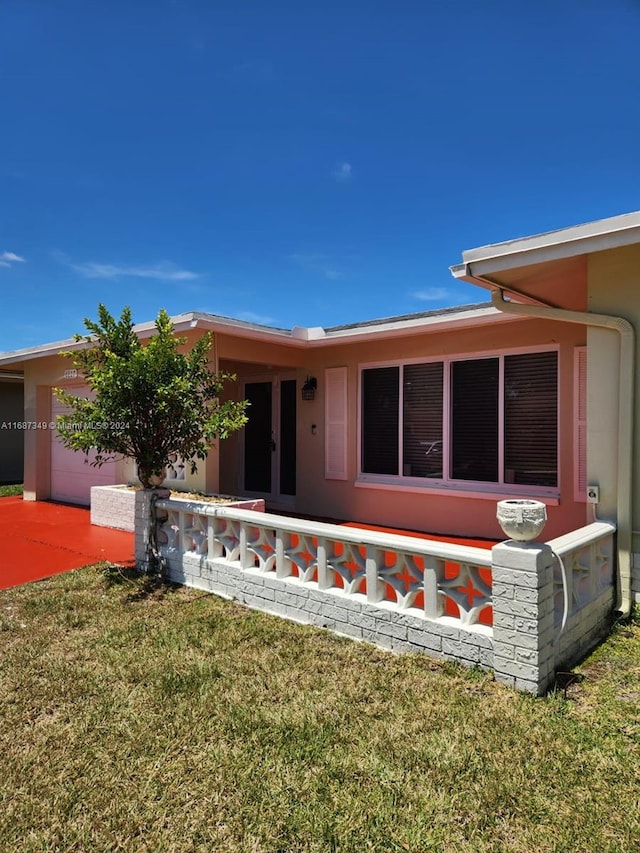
114,506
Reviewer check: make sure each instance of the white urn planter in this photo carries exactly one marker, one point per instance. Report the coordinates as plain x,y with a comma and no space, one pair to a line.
522,520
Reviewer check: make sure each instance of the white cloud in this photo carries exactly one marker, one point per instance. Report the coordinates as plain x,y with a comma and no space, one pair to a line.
319,263
8,258
342,172
431,294
163,271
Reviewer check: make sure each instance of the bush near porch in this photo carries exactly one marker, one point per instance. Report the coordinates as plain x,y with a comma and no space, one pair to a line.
141,717
11,490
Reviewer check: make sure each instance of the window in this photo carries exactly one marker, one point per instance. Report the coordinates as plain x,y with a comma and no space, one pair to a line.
474,419
479,420
531,419
380,397
422,420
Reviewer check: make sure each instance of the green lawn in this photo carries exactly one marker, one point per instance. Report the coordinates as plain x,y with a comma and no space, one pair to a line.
7,491
141,718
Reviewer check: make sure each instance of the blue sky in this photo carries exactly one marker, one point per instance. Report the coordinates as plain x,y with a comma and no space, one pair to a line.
297,163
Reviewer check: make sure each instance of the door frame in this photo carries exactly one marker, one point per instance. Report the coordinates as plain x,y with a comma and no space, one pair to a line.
275,499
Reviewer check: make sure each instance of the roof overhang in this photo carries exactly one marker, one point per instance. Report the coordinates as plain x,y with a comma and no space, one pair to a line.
481,265
298,337
316,336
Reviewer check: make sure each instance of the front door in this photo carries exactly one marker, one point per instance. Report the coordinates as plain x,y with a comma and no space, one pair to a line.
269,454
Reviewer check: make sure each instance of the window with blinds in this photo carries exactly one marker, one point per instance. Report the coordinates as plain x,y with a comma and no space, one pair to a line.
474,419
380,427
531,419
422,388
495,420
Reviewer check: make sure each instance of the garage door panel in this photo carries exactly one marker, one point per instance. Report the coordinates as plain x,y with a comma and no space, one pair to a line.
63,457
72,476
76,488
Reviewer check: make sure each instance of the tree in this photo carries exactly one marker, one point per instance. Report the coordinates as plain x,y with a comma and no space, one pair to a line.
150,399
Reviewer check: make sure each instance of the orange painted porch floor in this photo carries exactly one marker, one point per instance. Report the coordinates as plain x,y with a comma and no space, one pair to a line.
436,537
453,540
39,539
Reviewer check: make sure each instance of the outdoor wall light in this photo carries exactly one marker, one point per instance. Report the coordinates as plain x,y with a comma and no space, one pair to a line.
309,388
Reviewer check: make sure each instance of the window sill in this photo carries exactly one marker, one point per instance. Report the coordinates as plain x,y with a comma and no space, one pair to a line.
550,497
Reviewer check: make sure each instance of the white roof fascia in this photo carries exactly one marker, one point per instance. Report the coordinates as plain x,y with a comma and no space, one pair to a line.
314,336
40,351
298,337
237,328
181,323
596,236
415,326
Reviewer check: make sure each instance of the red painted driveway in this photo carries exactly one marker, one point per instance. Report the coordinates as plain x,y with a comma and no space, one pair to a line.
41,539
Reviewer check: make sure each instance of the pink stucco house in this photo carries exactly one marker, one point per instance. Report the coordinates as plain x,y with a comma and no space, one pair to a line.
420,421
424,421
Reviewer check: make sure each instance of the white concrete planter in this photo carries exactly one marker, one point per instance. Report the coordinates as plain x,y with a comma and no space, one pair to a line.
115,506
522,520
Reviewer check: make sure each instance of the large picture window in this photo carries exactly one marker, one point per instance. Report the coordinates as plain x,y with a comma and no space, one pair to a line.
480,420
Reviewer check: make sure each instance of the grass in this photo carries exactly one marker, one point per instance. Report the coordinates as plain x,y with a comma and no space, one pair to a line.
10,490
138,717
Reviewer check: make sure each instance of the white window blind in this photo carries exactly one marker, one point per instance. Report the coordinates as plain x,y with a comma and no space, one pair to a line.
531,419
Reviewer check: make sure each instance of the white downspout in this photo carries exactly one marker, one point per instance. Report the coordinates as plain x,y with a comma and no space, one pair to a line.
625,415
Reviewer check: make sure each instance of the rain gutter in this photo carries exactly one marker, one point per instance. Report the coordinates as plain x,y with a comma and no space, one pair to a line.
626,380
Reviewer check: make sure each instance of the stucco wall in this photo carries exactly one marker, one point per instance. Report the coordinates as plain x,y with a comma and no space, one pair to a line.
614,286
614,283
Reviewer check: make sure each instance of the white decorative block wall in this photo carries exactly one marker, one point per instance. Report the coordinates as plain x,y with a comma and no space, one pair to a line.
347,614
635,578
523,615
113,506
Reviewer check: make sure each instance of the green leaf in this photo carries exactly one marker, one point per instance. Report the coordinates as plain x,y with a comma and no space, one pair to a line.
150,399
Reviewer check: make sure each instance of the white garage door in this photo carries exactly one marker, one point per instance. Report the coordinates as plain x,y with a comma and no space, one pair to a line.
72,476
